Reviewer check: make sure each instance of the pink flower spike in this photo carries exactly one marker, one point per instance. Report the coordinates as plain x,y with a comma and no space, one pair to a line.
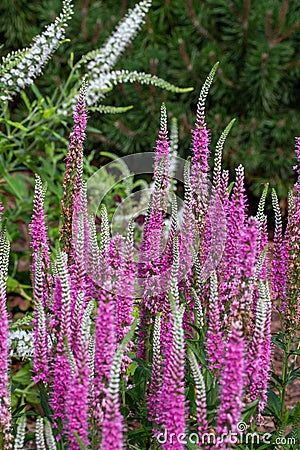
77,400
172,399
105,350
232,385
200,150
112,435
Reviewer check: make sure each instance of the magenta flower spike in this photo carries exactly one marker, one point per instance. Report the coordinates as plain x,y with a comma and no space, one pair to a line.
291,248
214,345
151,248
112,428
237,214
125,292
72,183
5,403
105,349
172,399
62,370
77,399
61,381
241,284
122,267
112,435
153,264
229,270
230,409
280,258
199,163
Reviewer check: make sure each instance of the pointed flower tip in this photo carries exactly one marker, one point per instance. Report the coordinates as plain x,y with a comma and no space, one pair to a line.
163,118
213,72
83,89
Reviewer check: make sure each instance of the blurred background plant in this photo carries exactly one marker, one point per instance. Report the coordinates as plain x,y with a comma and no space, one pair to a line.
257,45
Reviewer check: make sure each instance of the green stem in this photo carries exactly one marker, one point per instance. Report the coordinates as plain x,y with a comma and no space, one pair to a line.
284,378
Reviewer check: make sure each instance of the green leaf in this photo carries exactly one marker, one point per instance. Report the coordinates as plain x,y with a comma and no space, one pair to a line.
26,101
32,397
23,376
15,184
293,375
249,411
44,400
14,124
278,342
274,405
36,92
14,285
230,187
80,443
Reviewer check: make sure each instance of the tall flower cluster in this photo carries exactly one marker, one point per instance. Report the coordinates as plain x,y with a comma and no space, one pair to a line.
77,399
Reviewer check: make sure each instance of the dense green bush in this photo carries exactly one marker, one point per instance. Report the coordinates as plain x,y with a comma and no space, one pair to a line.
257,45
